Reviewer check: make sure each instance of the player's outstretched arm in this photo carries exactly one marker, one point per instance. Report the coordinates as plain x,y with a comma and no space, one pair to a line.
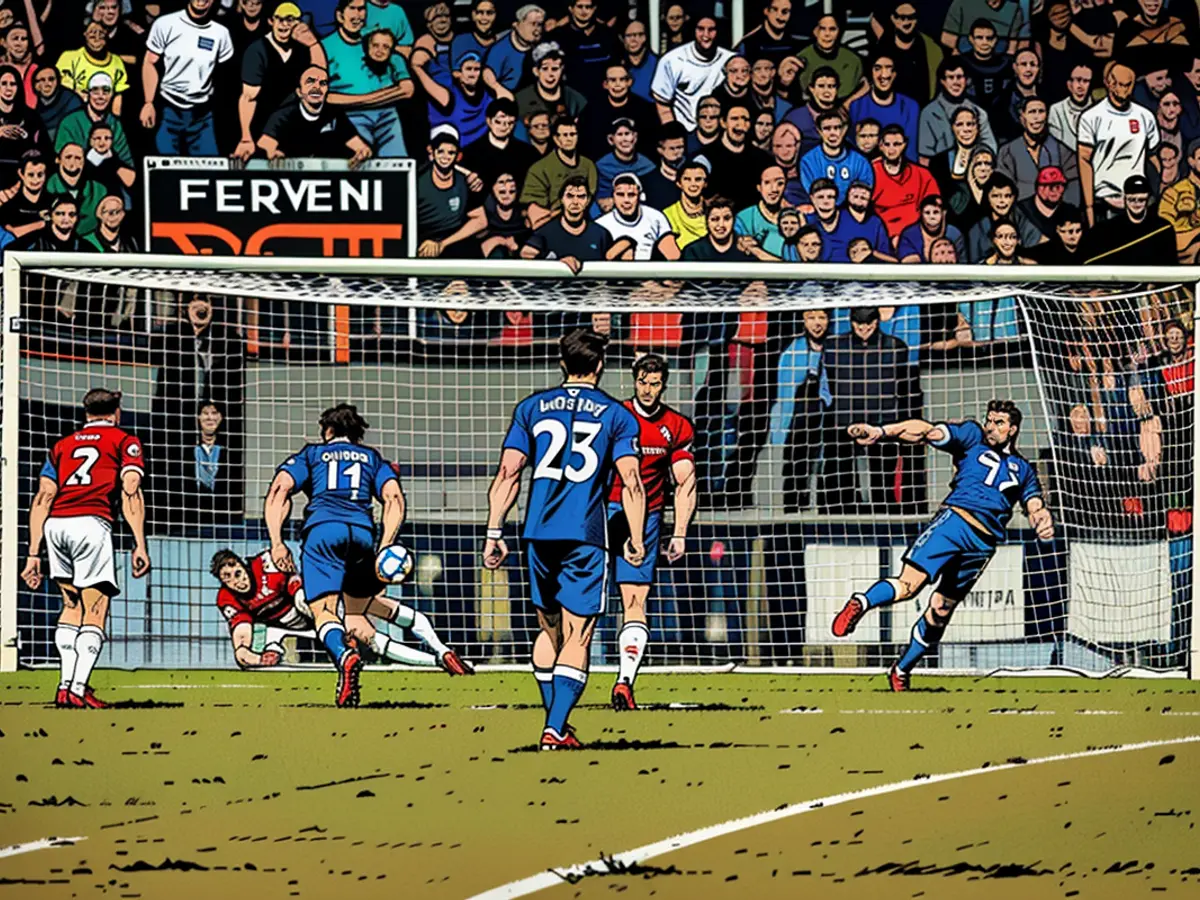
633,501
685,506
242,636
39,512
133,508
277,508
393,512
1040,519
910,431
506,486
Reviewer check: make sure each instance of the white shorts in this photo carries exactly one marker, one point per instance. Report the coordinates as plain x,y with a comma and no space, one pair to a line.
81,551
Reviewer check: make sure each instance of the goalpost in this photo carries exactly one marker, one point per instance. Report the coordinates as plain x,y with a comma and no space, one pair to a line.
792,516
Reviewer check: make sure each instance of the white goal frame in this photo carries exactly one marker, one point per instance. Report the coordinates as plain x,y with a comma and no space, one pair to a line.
16,262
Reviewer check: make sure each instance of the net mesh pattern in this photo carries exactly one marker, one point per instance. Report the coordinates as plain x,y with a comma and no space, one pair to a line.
793,516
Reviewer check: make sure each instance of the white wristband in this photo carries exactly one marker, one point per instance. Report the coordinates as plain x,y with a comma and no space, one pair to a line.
495,534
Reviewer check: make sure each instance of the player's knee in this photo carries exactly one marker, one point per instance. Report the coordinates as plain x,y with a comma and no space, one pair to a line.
908,585
941,609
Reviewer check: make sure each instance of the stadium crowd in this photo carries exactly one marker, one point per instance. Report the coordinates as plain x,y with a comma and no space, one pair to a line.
1001,132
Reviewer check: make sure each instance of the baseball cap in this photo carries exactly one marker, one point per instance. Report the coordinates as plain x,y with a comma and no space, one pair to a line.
623,120
287,11
864,314
465,57
544,49
442,133
822,184
1051,175
100,80
1136,184
628,178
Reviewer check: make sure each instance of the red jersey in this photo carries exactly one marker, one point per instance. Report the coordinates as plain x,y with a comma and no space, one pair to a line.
665,438
273,601
88,465
898,198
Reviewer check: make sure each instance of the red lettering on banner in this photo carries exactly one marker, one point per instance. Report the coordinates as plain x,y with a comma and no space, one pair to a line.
358,237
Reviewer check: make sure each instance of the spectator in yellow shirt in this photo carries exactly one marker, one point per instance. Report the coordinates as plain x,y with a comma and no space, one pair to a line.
1180,206
687,214
76,67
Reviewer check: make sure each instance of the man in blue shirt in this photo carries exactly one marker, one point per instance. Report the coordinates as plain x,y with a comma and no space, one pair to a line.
833,159
575,436
341,477
761,221
990,478
367,79
506,64
884,105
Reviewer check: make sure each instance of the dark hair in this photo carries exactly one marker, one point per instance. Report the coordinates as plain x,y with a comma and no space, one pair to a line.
867,121
221,559
1066,214
824,117
959,110
718,202
1032,98
502,105
19,99
582,351
102,125
1173,323
693,163
893,128
806,230
58,200
825,72
344,421
574,181
31,157
736,103
650,363
341,5
982,23
1008,408
204,404
931,200
1001,222
881,53
101,402
822,184
950,64
562,122
998,180
671,131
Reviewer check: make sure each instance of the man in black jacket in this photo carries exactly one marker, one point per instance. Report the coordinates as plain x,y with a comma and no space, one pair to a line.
866,376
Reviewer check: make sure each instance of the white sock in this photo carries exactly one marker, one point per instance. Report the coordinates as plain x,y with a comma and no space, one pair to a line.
87,646
631,645
423,629
64,640
387,648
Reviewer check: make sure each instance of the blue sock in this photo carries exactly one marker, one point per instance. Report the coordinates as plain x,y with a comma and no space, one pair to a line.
924,638
333,636
567,688
881,593
545,683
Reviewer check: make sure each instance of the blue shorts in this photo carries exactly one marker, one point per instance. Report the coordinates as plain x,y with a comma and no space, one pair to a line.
619,532
951,553
568,575
335,558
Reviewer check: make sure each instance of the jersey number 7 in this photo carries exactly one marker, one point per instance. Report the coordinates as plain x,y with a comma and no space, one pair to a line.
582,435
994,463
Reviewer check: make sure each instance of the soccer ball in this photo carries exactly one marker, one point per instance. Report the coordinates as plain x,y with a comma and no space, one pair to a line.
393,564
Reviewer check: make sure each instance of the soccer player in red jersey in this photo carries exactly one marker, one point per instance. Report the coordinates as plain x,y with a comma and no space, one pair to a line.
257,592
73,512
666,455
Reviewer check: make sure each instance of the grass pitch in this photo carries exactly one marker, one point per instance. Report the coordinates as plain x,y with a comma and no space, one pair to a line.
237,784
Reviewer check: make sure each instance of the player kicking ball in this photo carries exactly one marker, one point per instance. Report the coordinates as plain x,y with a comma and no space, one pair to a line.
990,478
73,513
341,477
257,593
575,435
665,439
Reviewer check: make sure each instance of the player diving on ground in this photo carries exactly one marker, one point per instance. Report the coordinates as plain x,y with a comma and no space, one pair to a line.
73,513
341,477
255,592
990,478
665,441
575,435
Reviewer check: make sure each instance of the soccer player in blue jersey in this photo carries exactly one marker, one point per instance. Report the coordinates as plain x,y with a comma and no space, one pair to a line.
990,478
575,435
342,478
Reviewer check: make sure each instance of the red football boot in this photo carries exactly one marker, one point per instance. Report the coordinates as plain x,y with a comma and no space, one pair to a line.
453,664
622,697
91,701
898,681
349,667
62,698
847,619
551,741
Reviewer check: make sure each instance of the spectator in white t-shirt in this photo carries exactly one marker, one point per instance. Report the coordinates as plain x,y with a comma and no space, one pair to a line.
190,45
688,74
630,218
1116,137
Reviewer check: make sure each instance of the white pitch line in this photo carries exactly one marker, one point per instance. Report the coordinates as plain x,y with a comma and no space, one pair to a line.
185,687
43,844
889,712
802,711
1099,712
539,882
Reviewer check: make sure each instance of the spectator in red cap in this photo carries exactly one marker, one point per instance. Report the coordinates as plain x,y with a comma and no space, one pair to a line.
1047,200
1022,158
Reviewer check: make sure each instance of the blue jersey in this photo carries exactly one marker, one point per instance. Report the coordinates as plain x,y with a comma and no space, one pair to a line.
573,435
341,479
988,482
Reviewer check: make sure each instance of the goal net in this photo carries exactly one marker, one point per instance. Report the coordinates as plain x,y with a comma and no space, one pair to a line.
225,371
